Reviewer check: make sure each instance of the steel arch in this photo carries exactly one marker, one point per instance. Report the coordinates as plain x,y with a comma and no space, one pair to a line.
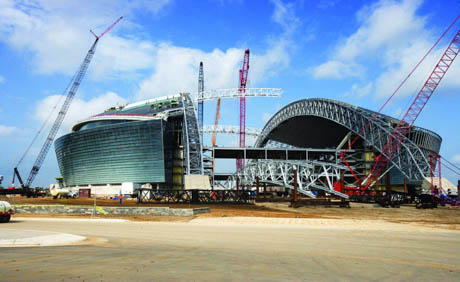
410,159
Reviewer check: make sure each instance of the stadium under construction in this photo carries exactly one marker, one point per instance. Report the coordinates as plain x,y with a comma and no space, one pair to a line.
157,144
314,147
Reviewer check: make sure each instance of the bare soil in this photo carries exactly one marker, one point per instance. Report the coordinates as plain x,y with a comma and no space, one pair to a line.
443,217
237,249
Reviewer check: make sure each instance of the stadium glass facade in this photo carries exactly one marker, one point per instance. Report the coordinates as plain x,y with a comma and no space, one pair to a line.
111,153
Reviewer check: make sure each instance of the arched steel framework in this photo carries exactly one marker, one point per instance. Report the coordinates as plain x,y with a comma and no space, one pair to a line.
412,156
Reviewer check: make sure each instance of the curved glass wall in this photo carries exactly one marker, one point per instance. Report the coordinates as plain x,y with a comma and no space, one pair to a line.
136,151
94,124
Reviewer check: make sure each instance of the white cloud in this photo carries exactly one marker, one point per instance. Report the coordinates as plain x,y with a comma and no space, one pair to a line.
117,55
391,25
392,35
79,109
284,15
176,68
55,34
57,41
359,91
336,69
2,79
456,158
8,130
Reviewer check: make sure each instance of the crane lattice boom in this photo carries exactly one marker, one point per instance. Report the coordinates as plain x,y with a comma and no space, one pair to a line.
65,107
216,123
415,109
243,80
200,93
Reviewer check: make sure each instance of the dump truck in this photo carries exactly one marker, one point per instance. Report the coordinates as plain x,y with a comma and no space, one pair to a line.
58,192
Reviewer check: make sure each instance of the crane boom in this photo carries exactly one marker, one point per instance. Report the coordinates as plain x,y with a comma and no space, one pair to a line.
108,29
216,123
214,132
243,80
60,117
200,93
406,123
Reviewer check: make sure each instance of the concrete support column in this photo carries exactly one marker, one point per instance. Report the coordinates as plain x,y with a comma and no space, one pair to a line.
257,188
294,191
388,187
237,186
342,181
458,190
265,191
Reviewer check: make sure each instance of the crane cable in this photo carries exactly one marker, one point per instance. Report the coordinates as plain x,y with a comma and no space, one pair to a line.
451,169
46,121
376,114
401,84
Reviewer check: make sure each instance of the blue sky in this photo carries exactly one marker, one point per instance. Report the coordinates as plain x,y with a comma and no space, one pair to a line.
353,51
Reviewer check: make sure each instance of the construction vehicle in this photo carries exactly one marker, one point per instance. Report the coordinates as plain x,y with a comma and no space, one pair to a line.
57,192
25,189
437,195
6,211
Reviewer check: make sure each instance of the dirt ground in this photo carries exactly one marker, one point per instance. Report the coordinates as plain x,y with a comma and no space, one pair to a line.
262,242
443,217
235,249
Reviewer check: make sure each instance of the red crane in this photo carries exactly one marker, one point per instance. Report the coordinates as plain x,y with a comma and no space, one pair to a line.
406,123
242,89
415,109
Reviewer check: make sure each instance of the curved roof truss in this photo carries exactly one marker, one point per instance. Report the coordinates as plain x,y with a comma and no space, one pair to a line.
410,159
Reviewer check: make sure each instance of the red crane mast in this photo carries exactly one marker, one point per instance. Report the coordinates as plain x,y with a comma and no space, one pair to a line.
242,89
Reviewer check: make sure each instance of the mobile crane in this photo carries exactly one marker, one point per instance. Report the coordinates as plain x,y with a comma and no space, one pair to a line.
25,189
405,125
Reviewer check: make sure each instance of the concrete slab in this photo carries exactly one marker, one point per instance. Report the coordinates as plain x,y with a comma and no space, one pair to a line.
32,238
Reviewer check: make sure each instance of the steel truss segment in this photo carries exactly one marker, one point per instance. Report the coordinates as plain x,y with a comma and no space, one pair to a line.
230,129
192,141
195,196
312,175
275,144
411,159
237,93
